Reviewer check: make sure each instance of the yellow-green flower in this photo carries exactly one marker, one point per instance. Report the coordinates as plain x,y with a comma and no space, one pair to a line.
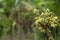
41,29
44,18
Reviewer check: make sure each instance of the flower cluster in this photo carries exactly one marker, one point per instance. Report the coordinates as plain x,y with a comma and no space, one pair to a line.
46,19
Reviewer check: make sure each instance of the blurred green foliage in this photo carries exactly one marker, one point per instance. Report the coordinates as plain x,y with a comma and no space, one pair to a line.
20,12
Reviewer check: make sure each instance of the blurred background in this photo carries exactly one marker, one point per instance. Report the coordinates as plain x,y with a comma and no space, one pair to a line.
17,17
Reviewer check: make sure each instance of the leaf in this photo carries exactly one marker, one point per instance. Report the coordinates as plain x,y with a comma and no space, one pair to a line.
4,21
